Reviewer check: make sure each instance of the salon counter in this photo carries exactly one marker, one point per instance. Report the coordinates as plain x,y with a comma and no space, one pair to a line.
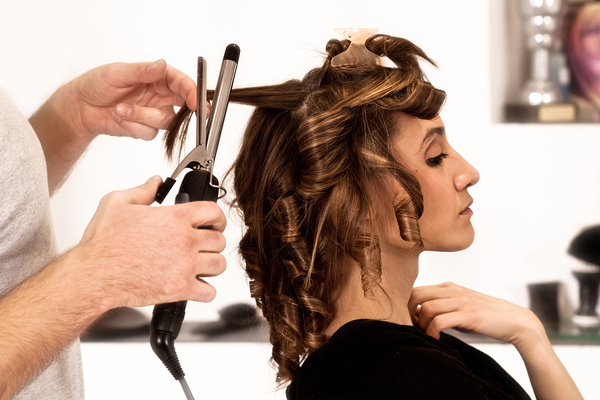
235,364
240,323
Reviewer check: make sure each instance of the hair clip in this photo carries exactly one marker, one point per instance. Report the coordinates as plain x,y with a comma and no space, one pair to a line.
357,53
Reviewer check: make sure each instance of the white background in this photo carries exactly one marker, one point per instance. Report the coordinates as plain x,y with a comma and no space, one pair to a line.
539,183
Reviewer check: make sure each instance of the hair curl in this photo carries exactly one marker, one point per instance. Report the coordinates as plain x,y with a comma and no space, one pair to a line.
310,151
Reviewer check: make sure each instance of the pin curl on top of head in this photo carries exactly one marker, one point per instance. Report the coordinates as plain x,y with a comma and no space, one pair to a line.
357,53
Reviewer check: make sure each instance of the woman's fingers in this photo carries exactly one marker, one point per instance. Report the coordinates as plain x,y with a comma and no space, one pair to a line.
433,316
435,308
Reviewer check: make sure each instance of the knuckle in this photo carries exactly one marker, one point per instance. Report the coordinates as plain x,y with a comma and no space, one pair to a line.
209,209
212,240
175,214
212,211
463,299
221,242
221,263
111,198
207,293
212,265
425,309
166,119
184,241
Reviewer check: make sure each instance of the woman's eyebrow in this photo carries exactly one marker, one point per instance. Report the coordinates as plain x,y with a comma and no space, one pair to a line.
431,132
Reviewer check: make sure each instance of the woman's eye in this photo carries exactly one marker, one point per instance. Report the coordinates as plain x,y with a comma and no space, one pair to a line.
437,160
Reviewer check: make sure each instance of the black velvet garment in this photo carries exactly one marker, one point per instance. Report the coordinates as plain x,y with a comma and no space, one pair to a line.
368,359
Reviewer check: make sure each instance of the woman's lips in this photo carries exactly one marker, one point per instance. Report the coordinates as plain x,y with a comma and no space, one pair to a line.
467,210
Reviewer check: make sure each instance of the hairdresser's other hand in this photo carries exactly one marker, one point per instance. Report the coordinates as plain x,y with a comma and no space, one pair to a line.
140,255
439,307
135,100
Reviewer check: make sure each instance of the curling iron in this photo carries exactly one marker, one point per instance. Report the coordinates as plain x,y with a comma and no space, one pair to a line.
198,184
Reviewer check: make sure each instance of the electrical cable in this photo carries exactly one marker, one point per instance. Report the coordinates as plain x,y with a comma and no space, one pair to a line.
186,389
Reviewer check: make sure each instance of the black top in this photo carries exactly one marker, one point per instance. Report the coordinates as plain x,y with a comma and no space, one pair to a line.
368,359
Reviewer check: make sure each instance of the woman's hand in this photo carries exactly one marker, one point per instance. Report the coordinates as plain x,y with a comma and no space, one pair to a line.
439,307
435,308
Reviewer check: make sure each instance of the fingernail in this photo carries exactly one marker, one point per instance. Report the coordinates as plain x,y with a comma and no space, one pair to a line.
153,65
116,117
123,111
155,179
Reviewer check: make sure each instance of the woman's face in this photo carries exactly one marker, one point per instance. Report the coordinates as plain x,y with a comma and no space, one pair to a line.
590,46
422,147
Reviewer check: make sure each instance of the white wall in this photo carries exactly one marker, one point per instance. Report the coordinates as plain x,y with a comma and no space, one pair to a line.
539,184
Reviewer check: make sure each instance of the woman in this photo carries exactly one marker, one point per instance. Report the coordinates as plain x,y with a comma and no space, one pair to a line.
582,24
343,179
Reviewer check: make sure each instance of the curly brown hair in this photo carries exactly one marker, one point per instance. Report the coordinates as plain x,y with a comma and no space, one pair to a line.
310,153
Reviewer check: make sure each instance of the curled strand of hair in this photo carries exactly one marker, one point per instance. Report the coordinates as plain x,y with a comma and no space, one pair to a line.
176,133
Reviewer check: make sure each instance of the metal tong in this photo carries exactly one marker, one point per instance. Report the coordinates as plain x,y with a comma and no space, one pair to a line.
209,134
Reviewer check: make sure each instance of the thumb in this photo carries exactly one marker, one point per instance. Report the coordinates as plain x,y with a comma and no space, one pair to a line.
140,195
145,193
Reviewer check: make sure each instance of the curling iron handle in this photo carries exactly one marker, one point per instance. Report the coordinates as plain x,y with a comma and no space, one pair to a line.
168,318
164,329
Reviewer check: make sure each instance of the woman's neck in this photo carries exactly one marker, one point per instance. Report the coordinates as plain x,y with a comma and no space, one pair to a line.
386,302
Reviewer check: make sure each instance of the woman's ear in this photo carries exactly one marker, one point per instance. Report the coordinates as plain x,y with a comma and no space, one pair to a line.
392,217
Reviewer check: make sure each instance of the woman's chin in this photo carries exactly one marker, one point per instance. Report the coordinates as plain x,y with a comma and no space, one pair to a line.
451,244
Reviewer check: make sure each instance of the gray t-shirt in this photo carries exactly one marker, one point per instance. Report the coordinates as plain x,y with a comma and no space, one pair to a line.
27,242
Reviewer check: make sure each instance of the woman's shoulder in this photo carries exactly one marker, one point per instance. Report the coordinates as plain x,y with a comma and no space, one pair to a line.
378,359
372,359
370,337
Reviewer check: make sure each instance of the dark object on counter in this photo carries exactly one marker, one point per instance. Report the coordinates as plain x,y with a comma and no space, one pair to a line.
118,323
543,301
586,245
588,298
234,317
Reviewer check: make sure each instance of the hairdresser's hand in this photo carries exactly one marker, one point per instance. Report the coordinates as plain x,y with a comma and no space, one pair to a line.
140,255
134,100
439,307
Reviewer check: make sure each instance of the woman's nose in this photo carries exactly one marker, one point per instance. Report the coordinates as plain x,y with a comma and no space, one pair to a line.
466,177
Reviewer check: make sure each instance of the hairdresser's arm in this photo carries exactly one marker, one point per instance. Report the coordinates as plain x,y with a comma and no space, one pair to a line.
130,255
435,308
120,99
